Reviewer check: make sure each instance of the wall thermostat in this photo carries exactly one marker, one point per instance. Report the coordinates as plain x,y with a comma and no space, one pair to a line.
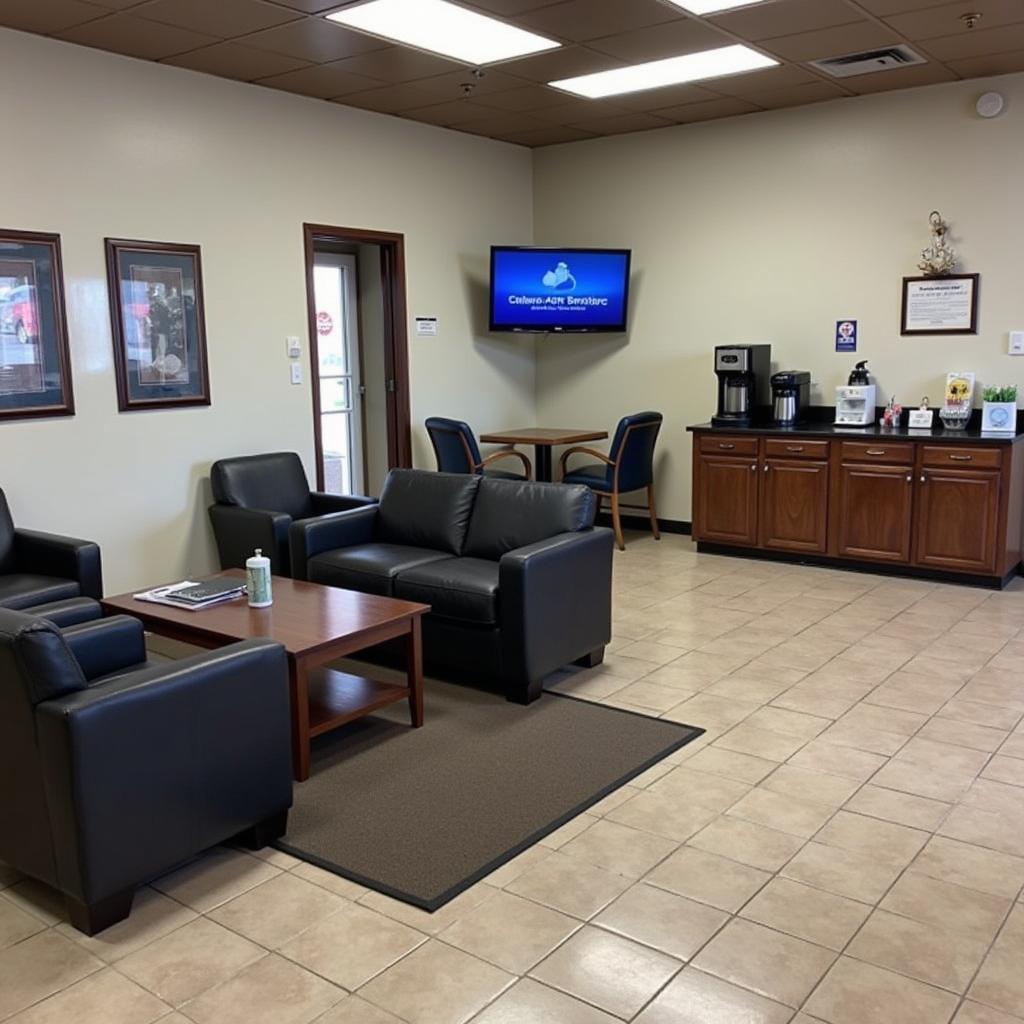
990,104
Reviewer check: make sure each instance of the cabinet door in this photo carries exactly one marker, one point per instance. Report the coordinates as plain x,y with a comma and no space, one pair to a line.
725,503
957,519
875,505
794,505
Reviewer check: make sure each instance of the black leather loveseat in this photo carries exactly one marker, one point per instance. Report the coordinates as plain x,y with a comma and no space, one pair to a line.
517,577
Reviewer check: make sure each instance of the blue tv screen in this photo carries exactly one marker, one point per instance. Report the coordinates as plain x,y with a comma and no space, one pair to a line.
559,290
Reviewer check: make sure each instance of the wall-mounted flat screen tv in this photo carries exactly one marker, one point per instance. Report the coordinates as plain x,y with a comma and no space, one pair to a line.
559,290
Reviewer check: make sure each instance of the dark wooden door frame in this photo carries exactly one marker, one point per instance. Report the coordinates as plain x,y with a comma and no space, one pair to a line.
396,340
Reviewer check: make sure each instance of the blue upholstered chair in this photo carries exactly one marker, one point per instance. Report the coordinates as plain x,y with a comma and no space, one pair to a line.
457,451
628,466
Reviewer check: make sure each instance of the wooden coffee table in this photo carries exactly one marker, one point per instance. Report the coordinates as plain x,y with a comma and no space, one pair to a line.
316,625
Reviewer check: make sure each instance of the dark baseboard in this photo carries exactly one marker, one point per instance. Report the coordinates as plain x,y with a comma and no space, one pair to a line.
642,523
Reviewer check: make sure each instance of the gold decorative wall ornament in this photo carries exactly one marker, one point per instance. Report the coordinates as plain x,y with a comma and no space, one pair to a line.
939,258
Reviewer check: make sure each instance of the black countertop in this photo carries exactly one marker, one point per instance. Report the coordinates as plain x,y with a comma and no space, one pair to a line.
873,432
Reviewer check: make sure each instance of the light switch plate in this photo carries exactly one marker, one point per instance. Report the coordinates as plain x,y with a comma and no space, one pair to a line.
296,369
1016,347
293,346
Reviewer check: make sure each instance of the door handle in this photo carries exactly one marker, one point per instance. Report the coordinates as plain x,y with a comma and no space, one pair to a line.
961,458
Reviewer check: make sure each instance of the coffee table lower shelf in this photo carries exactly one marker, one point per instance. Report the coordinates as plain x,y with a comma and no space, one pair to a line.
337,698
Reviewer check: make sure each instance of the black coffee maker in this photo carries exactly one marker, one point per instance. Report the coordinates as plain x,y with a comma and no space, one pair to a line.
743,373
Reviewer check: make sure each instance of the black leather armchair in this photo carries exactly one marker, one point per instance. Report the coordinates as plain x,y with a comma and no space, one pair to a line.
40,568
517,577
257,498
114,769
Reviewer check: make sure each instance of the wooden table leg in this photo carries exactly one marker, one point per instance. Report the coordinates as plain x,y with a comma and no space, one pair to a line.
299,691
414,669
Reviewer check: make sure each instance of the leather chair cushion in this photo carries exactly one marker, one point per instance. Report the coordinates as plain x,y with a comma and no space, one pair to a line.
35,650
510,515
457,588
501,474
368,568
594,474
275,482
426,510
23,590
6,537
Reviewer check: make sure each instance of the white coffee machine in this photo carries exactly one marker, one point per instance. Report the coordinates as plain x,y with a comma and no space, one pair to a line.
855,401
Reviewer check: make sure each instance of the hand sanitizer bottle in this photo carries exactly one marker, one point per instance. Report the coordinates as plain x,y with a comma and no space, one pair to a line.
257,571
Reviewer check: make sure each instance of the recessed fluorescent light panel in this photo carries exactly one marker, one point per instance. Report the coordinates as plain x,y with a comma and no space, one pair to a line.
713,6
693,67
444,28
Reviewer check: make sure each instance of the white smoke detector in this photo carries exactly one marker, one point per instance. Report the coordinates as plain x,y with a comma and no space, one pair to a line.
990,104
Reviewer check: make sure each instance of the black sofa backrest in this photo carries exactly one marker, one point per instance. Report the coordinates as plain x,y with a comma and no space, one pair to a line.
6,537
426,510
275,482
511,514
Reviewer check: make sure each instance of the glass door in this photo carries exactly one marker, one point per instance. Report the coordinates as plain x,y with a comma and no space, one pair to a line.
339,384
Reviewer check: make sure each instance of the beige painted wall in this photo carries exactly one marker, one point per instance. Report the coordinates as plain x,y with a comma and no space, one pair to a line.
770,228
108,146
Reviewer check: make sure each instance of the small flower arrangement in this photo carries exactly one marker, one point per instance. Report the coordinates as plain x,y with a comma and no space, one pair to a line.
999,411
1005,394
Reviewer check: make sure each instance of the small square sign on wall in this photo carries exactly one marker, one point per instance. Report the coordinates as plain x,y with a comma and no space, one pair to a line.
846,335
426,326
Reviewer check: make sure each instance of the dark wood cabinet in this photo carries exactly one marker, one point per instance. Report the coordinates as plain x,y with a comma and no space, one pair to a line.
874,513
957,519
794,505
725,499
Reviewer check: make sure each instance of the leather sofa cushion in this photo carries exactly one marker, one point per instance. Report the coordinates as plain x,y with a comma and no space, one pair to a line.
6,536
457,588
23,590
509,515
275,482
368,568
426,510
594,474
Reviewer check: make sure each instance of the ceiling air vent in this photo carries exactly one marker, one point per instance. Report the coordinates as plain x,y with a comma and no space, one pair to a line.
886,59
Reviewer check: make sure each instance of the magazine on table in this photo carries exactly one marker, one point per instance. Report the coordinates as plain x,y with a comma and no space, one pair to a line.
194,595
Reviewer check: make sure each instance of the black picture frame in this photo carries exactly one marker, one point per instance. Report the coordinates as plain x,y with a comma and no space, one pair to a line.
158,324
971,325
35,361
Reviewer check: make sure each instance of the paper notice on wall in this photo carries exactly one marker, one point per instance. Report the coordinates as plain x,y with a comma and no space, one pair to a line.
426,326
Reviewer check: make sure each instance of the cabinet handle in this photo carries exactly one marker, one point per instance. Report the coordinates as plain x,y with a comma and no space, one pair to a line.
726,447
753,467
910,478
766,467
961,458
924,479
794,447
875,451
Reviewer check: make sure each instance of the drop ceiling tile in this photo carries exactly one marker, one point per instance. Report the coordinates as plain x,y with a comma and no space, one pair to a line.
786,17
316,40
116,5
669,96
225,18
564,110
309,6
391,99
325,81
33,16
798,95
399,64
883,8
754,82
579,20
528,97
690,113
231,60
945,20
452,86
551,136
136,37
978,42
996,64
567,62
502,123
620,124
831,42
900,78
657,41
453,113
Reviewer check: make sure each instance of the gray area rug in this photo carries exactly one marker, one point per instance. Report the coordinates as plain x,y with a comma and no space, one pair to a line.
422,814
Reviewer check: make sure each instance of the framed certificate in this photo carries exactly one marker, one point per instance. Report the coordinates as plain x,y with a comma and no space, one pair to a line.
940,305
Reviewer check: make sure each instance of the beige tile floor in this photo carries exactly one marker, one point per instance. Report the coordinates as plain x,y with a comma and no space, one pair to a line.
844,845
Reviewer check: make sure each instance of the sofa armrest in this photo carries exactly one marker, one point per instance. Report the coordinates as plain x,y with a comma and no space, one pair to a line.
64,557
146,770
107,645
555,602
311,537
69,612
240,531
323,504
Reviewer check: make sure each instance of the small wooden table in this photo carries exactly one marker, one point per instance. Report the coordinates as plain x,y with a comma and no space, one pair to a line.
543,439
316,625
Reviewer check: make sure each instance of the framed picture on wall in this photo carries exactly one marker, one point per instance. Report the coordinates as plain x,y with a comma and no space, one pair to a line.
156,313
35,367
940,305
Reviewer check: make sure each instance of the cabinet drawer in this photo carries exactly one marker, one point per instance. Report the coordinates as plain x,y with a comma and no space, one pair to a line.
711,444
964,456
891,454
795,449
